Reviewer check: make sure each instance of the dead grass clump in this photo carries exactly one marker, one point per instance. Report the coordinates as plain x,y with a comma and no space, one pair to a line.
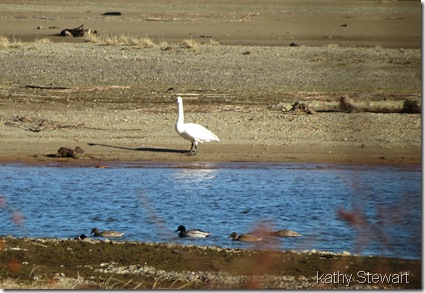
93,38
111,41
191,44
144,42
37,42
214,43
122,40
5,43
333,46
165,46
43,41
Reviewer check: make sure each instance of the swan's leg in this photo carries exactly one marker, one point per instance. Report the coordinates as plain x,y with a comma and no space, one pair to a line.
192,149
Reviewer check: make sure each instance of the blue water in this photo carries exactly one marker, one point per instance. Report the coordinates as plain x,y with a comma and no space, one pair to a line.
364,210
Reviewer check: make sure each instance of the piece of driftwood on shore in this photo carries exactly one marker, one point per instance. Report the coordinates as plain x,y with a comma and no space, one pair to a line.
77,32
48,87
301,108
37,124
112,13
346,105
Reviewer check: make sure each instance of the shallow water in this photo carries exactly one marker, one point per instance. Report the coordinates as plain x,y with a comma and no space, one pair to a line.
360,209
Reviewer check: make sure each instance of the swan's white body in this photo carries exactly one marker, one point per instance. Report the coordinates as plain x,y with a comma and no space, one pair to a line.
194,132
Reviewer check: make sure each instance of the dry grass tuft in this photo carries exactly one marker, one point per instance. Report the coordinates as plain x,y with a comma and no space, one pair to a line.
146,42
166,46
43,41
191,44
93,38
5,43
214,43
111,41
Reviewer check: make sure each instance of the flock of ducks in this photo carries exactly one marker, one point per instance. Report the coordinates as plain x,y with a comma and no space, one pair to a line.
197,233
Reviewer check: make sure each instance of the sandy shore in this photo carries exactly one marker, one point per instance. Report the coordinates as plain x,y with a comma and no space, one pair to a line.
116,101
113,116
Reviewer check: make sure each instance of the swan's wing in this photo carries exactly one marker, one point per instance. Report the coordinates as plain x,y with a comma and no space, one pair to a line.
199,133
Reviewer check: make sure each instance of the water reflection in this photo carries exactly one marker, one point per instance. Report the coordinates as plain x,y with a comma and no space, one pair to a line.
195,176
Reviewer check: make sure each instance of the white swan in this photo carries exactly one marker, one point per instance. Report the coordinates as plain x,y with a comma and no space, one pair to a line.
191,131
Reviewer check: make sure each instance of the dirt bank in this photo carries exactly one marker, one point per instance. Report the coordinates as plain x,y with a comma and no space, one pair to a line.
94,264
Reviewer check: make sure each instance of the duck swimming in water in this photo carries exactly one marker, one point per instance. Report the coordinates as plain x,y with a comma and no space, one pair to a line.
278,233
191,233
106,234
244,237
283,233
81,237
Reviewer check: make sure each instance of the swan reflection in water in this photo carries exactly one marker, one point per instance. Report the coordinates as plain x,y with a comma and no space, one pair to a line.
195,175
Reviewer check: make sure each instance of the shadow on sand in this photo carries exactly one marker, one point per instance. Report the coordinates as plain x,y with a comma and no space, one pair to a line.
146,149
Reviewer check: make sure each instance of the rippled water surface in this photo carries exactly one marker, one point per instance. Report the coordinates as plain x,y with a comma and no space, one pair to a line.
366,210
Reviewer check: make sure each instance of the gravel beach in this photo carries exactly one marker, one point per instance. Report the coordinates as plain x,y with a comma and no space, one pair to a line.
118,103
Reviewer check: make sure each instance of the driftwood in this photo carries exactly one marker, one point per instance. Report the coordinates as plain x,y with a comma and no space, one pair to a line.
77,32
42,87
300,108
36,124
346,105
75,89
112,13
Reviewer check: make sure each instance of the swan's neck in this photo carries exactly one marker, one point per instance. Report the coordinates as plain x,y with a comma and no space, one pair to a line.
180,116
